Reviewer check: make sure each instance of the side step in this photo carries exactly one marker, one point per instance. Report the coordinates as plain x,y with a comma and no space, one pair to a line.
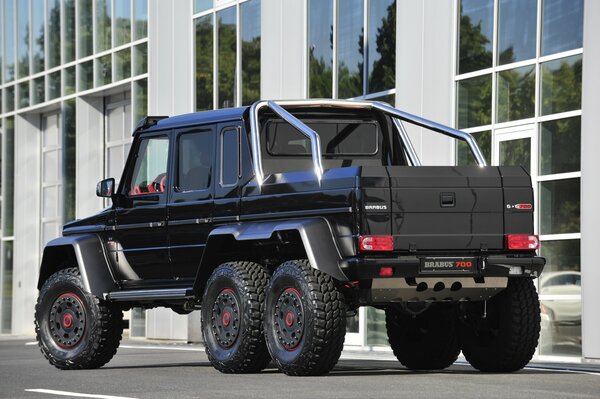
150,295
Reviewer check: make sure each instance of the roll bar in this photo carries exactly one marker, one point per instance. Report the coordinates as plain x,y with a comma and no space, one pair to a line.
315,143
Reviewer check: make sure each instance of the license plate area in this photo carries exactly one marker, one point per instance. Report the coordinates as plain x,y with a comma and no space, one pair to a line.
453,265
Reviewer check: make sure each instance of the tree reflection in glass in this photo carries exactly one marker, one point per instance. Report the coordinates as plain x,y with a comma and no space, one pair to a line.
516,94
474,101
476,32
350,49
382,45
560,146
516,153
320,48
561,85
204,62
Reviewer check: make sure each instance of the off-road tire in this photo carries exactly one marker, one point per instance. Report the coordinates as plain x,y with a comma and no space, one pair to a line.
102,324
427,341
506,339
320,312
243,283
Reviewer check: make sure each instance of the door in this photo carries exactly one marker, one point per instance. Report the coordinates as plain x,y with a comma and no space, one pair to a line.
140,228
191,202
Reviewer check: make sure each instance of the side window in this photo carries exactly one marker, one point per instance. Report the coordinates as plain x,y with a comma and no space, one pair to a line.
150,171
195,159
229,156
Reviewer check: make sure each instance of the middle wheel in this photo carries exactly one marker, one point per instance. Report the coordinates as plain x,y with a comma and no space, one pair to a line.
305,321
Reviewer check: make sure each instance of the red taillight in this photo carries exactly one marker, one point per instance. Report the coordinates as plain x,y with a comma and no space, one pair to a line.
386,271
376,243
522,241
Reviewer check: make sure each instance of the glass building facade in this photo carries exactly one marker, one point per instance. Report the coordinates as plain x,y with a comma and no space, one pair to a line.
75,77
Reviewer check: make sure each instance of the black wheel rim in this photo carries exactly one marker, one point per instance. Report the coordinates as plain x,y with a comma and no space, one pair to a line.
289,319
67,320
225,318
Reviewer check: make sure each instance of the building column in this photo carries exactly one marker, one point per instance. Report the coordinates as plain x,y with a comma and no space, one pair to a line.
590,182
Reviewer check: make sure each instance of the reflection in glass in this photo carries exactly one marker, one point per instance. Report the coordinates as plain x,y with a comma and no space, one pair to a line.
7,287
562,27
54,85
69,80
23,94
8,184
464,156
388,98
140,8
476,35
202,5
560,333
9,40
560,206
517,30
53,7
85,27
226,57
69,30
204,62
37,44
320,48
376,330
474,101
68,159
350,49
140,65
140,95
9,99
86,75
250,34
103,70
122,22
103,30
516,153
38,93
561,256
561,85
23,37
123,64
560,146
381,68
516,94
352,323
138,323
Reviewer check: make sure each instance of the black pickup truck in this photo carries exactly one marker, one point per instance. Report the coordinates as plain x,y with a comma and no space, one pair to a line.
278,221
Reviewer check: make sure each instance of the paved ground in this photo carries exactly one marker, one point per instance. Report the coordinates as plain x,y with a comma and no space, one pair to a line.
149,370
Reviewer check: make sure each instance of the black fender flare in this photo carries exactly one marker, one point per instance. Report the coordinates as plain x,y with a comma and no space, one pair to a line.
84,251
316,234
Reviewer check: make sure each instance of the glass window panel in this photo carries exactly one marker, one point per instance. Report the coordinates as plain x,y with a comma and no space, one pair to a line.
204,63
54,85
38,93
227,54
138,323
103,70
8,164
69,80
69,160
86,39
23,37
140,8
7,286
350,49
103,25
9,99
115,124
476,35
195,160
516,153
49,232
560,333
202,5
563,264
140,93
123,64
23,94
54,40
50,201
561,85
388,98
9,40
474,101
140,65
381,69
50,166
560,206
69,30
464,156
516,30
86,75
127,121
250,34
122,22
376,330
516,94
115,156
562,27
37,27
1,49
1,105
51,131
230,157
150,171
560,146
320,48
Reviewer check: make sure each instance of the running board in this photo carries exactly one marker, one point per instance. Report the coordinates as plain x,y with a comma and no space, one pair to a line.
150,295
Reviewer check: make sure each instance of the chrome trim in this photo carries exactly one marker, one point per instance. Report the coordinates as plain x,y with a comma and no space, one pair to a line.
133,295
410,150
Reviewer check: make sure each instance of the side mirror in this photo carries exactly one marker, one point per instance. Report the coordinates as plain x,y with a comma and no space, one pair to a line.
106,188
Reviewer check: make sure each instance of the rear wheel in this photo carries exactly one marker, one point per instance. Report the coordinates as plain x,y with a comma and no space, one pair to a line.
427,341
305,321
75,330
232,318
505,339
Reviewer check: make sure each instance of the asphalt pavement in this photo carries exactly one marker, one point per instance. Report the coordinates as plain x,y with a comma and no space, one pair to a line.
144,369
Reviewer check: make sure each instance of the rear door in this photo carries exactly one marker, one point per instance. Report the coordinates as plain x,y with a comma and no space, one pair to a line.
227,191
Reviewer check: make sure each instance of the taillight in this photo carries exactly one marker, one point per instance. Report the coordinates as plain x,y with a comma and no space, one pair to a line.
376,243
522,241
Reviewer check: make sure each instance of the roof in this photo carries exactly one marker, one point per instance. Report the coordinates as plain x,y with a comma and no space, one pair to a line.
197,118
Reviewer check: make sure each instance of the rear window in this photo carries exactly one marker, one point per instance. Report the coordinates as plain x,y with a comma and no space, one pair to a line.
337,138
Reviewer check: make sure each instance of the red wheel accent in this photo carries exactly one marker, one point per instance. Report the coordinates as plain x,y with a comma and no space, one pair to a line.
289,319
67,320
226,319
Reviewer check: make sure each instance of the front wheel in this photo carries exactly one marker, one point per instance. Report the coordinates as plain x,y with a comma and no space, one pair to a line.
505,339
305,321
74,329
